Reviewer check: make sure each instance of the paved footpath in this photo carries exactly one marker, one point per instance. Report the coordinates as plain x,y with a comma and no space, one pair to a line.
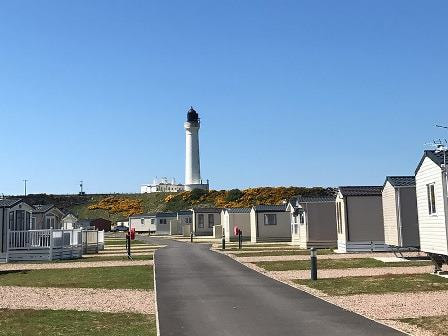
204,293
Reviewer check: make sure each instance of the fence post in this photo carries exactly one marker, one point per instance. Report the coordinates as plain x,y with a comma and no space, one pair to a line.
313,258
50,256
7,244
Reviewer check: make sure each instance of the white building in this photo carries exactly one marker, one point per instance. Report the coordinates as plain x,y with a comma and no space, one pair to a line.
270,223
359,218
236,217
162,185
432,207
192,162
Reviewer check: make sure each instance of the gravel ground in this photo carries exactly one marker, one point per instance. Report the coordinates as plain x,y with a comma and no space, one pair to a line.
306,257
411,329
395,305
113,263
100,300
348,272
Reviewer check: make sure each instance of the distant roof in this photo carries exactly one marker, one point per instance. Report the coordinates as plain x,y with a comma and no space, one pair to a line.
40,208
401,181
314,199
361,190
184,212
150,214
166,214
207,210
437,158
281,207
8,202
238,210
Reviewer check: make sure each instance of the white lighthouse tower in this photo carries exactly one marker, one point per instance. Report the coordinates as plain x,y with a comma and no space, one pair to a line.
192,162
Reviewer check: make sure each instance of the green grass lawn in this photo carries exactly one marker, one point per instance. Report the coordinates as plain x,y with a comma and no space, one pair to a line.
131,277
123,242
120,256
70,322
436,324
288,265
378,284
279,253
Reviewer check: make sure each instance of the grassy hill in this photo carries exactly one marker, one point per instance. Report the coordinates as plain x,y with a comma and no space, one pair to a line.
120,206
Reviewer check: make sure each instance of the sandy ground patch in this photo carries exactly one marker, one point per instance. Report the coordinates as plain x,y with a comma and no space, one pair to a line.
85,299
112,263
395,305
411,329
323,256
350,272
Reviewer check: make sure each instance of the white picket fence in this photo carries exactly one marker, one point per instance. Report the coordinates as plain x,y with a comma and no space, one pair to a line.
92,241
44,244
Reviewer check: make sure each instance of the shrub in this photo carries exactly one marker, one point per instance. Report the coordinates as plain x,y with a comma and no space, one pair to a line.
233,195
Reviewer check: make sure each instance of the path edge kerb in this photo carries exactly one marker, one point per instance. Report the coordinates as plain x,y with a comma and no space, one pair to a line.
155,294
309,292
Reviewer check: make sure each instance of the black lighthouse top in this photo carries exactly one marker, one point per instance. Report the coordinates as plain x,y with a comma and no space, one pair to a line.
192,115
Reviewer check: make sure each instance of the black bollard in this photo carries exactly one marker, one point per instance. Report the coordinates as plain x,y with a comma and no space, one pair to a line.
191,237
223,242
128,244
313,263
240,239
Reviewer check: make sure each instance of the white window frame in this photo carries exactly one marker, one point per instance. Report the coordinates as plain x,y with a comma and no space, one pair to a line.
431,196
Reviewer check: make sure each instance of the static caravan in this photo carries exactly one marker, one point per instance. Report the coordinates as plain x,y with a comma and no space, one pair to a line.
359,218
236,217
313,221
270,223
69,221
145,223
204,219
46,217
162,220
19,242
184,218
432,208
400,212
15,215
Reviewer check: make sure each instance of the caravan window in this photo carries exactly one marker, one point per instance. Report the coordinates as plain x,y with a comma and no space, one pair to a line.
431,198
11,221
211,220
201,221
270,219
339,217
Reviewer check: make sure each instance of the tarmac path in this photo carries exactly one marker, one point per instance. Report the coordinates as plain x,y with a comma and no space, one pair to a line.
204,293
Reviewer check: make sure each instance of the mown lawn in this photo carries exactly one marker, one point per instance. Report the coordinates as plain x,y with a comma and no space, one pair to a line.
114,258
436,324
402,283
130,277
123,242
69,322
289,265
279,253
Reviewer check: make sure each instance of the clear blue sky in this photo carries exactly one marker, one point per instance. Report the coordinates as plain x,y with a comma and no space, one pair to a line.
305,93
